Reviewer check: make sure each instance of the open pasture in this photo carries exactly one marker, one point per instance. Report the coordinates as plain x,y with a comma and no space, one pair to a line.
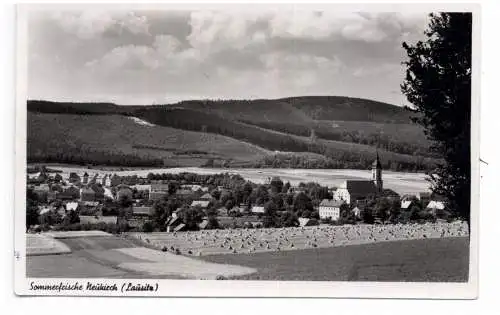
246,241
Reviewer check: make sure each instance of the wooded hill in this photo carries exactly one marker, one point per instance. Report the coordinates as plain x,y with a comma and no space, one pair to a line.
342,132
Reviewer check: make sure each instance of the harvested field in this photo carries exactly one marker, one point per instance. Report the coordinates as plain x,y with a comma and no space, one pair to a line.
97,243
37,244
164,264
114,257
76,234
245,241
433,260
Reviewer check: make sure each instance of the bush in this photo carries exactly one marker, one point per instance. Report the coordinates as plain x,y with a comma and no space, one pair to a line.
147,227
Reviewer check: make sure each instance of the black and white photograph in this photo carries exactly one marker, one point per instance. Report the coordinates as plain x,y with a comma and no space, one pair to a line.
310,146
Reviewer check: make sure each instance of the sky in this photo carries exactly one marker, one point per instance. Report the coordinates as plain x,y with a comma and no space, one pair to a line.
164,56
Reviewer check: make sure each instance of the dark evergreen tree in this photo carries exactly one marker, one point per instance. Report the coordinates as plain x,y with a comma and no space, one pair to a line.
438,84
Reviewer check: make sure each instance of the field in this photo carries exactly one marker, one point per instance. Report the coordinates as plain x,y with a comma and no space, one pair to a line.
248,241
439,260
109,256
400,182
432,260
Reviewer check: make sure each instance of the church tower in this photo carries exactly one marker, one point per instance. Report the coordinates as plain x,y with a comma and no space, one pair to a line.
377,174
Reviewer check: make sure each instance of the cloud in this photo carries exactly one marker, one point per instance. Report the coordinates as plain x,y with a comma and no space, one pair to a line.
164,54
374,27
153,56
89,24
213,31
378,70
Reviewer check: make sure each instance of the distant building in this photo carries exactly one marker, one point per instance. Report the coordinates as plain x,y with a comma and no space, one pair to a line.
158,191
377,175
123,191
74,178
434,205
99,192
203,224
258,209
424,197
87,194
307,222
330,209
355,191
72,192
183,193
357,212
71,206
206,196
222,211
359,191
157,195
115,180
85,178
142,211
406,204
201,203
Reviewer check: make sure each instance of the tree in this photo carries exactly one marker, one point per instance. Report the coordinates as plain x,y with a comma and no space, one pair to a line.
288,219
191,217
286,187
438,84
382,209
276,185
31,208
395,211
270,213
302,202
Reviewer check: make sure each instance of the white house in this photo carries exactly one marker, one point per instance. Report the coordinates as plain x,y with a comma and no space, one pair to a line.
71,206
258,209
436,205
330,209
406,204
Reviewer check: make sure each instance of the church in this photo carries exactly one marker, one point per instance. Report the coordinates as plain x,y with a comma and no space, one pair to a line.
358,192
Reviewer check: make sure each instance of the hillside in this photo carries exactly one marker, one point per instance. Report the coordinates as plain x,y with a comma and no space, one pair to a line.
60,138
292,126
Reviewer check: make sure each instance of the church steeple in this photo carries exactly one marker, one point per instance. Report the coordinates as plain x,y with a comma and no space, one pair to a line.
377,174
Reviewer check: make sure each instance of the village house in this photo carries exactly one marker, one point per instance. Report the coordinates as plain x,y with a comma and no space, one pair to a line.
330,209
123,191
74,178
99,192
142,211
115,180
85,180
87,194
356,212
206,196
158,191
106,180
406,204
307,222
201,203
71,206
183,193
434,205
257,209
222,211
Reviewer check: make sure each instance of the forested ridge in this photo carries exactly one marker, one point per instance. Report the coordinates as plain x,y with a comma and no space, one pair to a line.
346,143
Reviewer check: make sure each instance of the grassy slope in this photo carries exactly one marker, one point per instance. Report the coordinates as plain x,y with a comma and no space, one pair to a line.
435,260
121,134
